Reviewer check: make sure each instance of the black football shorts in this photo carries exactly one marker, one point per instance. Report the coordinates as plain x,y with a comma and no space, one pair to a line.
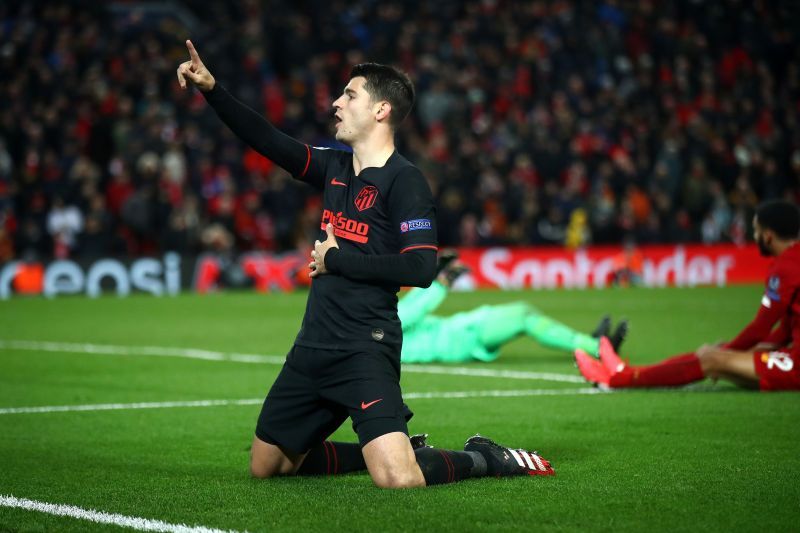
318,389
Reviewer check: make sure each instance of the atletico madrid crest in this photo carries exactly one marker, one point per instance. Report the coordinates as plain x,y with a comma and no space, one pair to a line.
366,198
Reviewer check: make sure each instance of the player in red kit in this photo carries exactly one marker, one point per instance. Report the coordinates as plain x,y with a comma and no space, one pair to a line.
763,355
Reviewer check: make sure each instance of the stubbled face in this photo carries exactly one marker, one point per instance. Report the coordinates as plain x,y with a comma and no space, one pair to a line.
355,112
763,238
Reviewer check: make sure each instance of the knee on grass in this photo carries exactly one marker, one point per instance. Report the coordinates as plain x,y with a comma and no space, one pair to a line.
260,469
397,479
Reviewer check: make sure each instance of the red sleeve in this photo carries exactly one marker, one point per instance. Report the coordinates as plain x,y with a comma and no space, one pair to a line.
780,336
774,304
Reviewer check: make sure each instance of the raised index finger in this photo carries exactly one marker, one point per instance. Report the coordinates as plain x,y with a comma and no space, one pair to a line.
193,53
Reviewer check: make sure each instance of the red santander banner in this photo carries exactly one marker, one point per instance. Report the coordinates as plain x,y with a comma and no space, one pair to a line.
653,266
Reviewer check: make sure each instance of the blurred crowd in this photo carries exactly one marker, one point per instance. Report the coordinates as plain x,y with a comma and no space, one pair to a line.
543,122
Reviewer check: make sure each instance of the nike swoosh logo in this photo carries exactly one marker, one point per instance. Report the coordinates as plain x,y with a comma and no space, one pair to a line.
370,404
335,182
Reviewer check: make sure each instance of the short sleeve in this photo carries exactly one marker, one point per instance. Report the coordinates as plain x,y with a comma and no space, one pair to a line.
412,211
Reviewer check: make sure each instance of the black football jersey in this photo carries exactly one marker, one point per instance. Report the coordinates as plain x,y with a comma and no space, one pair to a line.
386,210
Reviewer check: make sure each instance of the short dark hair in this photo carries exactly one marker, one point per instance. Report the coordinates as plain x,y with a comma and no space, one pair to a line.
387,83
780,216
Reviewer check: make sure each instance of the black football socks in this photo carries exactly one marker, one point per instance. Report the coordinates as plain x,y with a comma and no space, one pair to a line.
331,458
438,466
447,466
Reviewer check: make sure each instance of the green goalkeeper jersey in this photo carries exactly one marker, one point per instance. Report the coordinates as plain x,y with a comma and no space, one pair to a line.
477,334
428,338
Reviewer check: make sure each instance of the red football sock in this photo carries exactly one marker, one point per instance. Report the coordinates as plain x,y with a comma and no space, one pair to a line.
677,370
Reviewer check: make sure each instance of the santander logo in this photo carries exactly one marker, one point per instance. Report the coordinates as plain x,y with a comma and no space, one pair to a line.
509,268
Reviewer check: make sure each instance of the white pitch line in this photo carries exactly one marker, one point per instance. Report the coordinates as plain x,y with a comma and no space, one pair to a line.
158,351
208,355
445,395
102,517
502,393
118,406
490,373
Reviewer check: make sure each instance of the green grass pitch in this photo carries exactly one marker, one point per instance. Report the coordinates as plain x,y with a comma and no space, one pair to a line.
708,458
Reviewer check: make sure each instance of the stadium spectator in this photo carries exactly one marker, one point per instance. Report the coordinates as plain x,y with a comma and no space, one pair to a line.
655,117
64,222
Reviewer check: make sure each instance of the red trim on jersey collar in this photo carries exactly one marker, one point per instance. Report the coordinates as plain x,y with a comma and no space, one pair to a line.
418,247
308,161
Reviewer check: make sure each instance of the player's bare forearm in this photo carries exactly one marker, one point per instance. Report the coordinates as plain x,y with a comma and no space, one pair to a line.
766,347
707,350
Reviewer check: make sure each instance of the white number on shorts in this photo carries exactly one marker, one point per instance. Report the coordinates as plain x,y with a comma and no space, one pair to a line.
781,361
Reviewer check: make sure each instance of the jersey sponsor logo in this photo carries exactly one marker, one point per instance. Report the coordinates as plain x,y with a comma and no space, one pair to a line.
367,405
366,197
773,286
334,181
414,225
346,228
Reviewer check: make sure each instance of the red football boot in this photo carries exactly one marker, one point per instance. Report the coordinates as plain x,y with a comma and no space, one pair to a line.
609,357
593,370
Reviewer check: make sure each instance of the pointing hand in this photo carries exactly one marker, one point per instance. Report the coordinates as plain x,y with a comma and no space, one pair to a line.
195,71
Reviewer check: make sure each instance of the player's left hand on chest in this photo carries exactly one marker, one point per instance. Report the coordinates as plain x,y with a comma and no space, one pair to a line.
317,264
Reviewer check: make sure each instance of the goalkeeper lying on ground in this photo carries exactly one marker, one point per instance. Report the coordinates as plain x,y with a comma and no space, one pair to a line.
480,333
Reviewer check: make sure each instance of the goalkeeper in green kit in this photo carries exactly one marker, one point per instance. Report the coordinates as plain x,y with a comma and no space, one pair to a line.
478,335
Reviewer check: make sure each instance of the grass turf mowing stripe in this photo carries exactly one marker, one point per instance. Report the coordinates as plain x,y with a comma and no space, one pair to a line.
102,517
253,401
208,355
